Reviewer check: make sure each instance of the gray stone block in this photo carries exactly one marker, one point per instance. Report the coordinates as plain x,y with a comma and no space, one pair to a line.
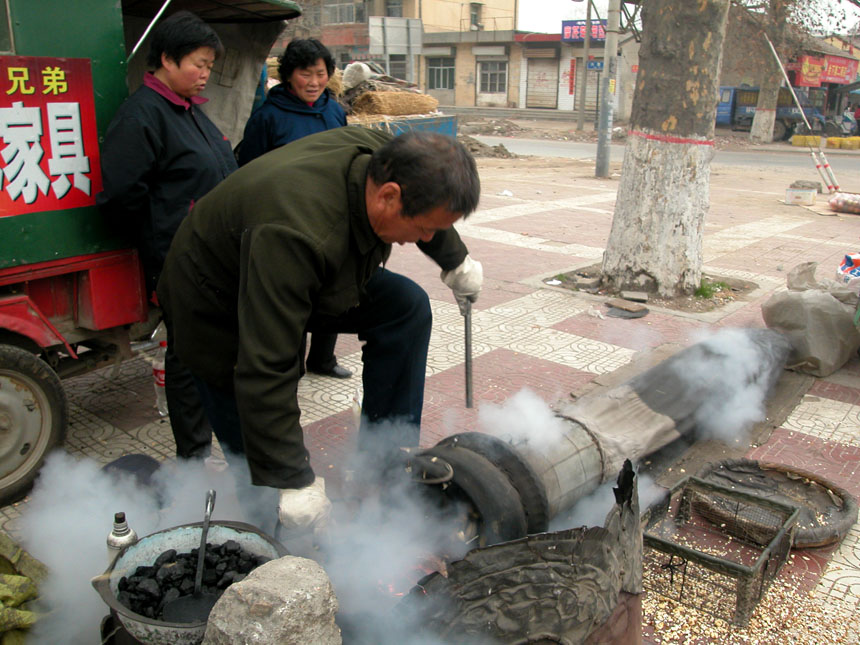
288,601
635,296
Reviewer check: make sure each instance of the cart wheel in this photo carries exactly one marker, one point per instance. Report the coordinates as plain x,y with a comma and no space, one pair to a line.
33,419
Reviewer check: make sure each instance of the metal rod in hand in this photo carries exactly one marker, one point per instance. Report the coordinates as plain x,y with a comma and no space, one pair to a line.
822,166
467,316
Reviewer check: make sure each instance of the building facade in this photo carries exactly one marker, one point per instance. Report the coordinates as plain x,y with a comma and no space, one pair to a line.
467,54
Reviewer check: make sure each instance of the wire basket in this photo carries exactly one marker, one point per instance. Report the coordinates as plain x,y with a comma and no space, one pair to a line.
714,548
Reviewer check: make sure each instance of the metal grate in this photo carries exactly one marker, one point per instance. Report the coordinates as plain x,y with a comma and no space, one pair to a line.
714,548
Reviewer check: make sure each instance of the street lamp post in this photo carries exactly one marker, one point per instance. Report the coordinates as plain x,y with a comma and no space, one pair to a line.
610,61
580,123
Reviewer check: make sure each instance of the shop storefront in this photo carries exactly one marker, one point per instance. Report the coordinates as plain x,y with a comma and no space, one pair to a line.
830,73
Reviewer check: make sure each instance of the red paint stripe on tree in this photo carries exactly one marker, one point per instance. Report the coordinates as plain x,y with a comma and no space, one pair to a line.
668,139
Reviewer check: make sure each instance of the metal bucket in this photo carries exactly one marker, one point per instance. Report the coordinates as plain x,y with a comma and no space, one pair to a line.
147,549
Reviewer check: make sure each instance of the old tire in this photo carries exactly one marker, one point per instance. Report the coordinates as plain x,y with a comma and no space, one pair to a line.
492,496
780,132
518,471
33,419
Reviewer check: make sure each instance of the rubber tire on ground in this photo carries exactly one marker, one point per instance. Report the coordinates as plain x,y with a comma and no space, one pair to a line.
33,419
806,536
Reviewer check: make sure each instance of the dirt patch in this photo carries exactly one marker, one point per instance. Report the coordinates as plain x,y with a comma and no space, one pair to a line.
566,130
490,127
716,292
479,149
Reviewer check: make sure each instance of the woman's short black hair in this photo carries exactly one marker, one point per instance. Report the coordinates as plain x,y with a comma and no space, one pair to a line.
302,53
178,36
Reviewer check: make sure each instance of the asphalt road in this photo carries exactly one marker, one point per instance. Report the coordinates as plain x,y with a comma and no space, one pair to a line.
844,162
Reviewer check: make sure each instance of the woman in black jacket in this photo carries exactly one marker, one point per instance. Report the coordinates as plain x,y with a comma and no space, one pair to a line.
162,153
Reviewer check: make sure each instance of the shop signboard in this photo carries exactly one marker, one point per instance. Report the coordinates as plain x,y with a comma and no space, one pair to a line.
49,155
573,31
839,70
812,71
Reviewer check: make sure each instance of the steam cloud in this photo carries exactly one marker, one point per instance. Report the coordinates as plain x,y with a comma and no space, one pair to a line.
738,391
376,540
523,418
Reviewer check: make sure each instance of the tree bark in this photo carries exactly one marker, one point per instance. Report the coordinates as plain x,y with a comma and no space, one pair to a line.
655,243
762,130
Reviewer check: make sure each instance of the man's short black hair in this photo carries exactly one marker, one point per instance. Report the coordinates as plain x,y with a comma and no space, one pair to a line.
431,169
302,53
178,36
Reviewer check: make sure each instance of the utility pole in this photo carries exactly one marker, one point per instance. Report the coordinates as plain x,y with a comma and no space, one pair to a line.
610,60
580,123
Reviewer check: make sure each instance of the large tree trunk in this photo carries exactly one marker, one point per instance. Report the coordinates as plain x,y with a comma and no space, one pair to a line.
762,130
655,243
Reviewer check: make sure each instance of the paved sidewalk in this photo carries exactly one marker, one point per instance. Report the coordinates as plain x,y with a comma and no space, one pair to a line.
553,341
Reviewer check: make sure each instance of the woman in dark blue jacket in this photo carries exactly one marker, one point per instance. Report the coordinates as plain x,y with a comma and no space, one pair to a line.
299,106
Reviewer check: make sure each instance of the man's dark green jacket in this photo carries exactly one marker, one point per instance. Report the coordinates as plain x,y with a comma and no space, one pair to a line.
282,237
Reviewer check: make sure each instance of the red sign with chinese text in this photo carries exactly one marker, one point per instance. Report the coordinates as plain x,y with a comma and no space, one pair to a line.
809,71
572,79
49,154
812,71
839,70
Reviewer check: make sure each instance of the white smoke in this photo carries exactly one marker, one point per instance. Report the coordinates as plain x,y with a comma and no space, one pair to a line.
380,544
733,379
523,418
70,514
386,536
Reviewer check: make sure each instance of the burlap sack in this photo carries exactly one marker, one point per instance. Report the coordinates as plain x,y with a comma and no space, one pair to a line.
818,318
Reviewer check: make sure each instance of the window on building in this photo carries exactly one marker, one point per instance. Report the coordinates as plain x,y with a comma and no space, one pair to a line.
310,16
397,65
440,73
339,11
394,8
494,76
475,15
345,59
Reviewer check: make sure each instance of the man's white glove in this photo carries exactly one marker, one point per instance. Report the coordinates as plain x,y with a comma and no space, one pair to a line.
465,281
306,507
